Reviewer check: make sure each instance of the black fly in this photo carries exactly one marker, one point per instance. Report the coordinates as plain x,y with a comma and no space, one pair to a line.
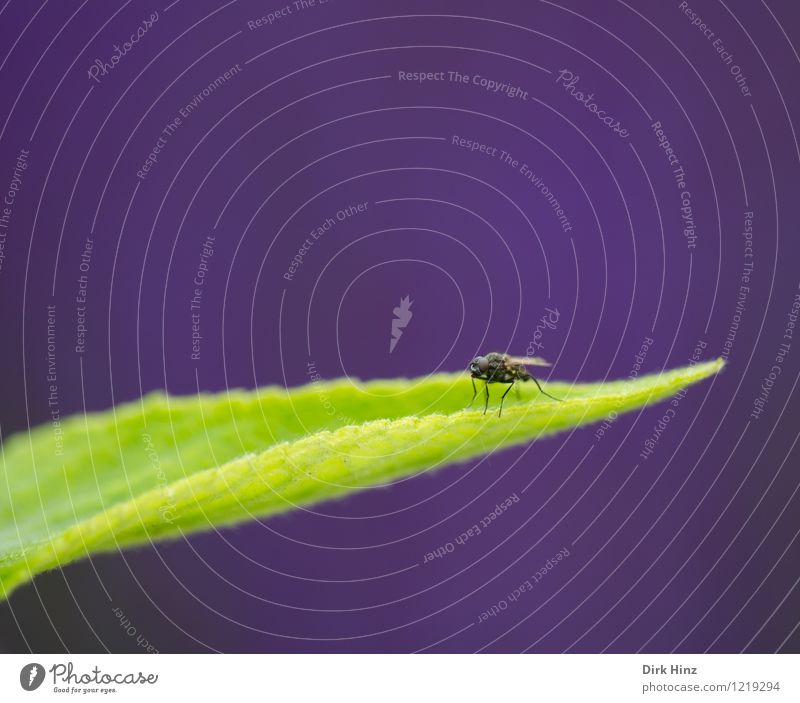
502,368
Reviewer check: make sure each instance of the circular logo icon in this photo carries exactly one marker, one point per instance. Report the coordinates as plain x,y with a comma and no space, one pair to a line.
31,676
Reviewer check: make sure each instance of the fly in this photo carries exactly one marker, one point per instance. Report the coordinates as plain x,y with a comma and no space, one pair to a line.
503,368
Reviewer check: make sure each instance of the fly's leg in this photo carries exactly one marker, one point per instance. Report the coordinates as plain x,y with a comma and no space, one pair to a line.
500,412
541,390
488,381
474,391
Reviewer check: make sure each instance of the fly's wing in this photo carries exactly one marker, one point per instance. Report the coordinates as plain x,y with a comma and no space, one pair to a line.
527,361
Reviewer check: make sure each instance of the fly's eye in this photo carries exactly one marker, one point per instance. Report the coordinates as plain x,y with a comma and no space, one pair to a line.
483,364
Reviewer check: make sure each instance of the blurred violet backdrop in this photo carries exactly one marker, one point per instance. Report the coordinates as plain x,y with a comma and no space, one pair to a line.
681,539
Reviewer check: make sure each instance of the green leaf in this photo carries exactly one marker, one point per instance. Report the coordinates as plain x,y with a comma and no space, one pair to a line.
165,466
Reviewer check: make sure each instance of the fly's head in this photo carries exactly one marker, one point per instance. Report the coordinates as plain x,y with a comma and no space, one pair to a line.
478,367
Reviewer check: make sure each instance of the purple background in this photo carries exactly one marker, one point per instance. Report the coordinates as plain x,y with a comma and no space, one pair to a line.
692,549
